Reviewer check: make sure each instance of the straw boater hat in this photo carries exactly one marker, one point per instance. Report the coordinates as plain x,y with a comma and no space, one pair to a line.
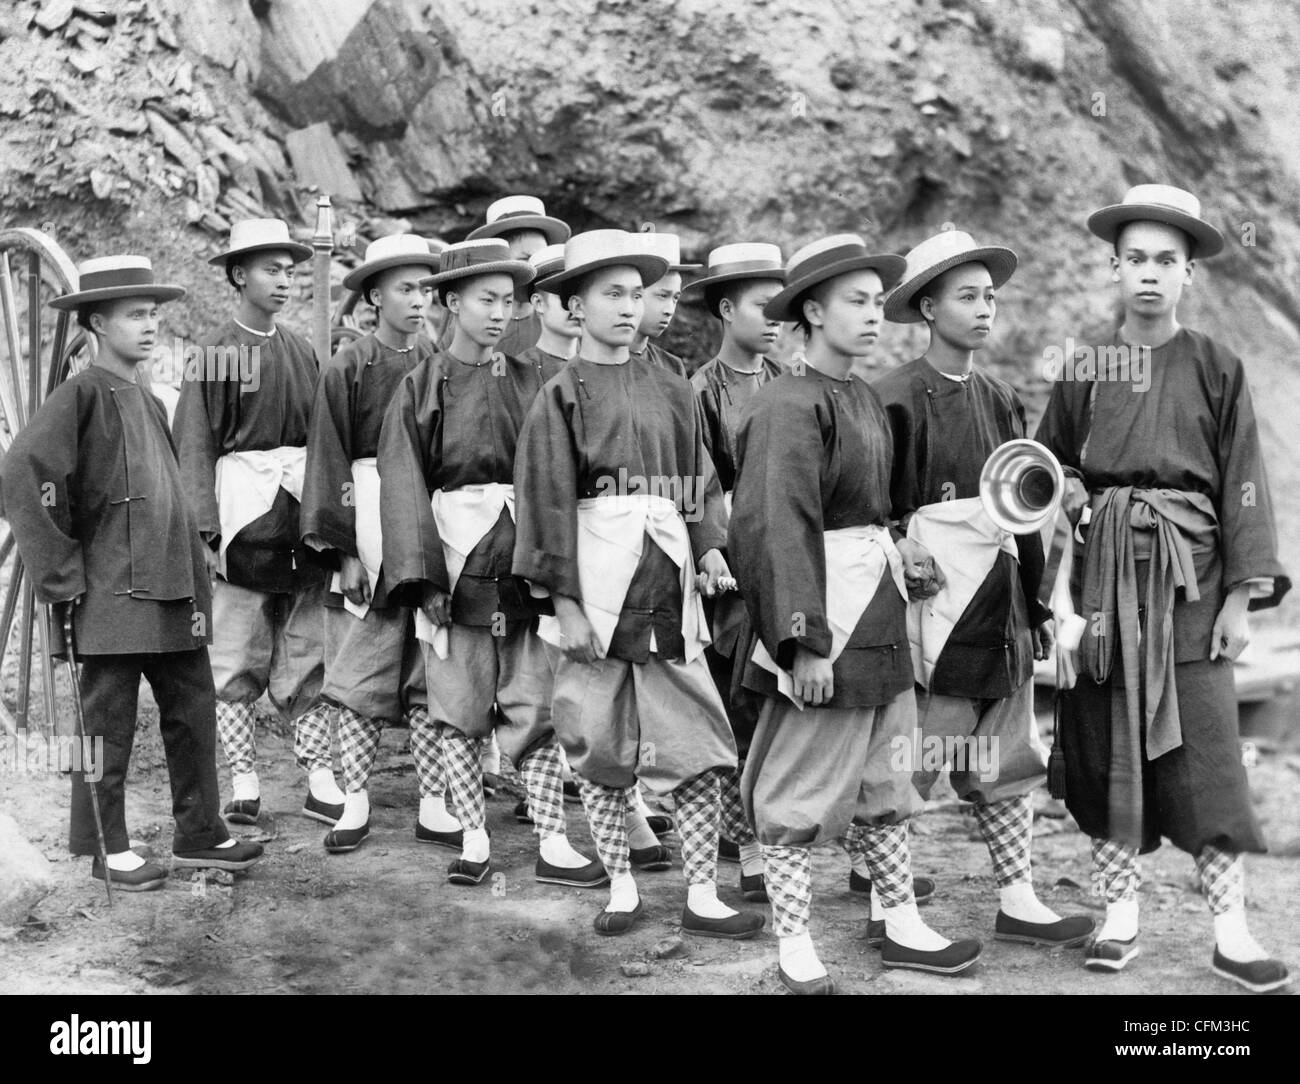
395,250
1159,203
510,214
735,263
107,278
931,258
469,259
547,261
667,245
590,251
259,235
824,260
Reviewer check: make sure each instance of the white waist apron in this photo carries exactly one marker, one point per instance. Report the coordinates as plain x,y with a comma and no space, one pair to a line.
370,537
611,538
246,484
856,558
965,544
464,517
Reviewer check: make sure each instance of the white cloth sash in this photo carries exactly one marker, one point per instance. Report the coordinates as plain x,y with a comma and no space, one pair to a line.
611,538
856,558
246,484
464,516
370,538
965,544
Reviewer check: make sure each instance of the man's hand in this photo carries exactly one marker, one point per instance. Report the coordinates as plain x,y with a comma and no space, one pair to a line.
210,559
921,572
1231,632
714,576
1043,639
814,679
578,640
436,606
353,582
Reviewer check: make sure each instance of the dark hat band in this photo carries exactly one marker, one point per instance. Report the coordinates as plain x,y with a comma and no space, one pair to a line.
740,267
125,276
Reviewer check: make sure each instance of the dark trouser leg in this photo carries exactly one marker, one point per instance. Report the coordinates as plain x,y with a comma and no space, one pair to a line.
110,687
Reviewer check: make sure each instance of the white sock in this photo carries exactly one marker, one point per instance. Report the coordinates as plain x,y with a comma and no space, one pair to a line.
799,958
638,802
751,859
876,905
223,846
904,926
703,901
245,787
566,773
476,848
1234,938
623,895
125,861
1121,921
489,757
859,865
356,812
324,787
434,816
639,834
558,851
1019,901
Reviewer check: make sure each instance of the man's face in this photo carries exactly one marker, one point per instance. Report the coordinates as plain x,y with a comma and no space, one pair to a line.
742,312
400,299
266,279
554,316
849,310
1153,268
523,243
610,305
960,307
660,304
483,305
128,327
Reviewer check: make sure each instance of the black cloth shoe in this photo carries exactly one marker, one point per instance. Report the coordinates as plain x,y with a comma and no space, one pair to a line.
613,923
735,927
1259,976
660,823
145,879
464,872
650,859
728,850
1111,955
875,932
592,875
343,840
946,961
922,887
572,793
240,856
453,840
521,812
1063,933
811,986
754,887
324,812
244,811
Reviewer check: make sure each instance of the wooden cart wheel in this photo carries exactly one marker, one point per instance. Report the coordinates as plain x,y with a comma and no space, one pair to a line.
39,350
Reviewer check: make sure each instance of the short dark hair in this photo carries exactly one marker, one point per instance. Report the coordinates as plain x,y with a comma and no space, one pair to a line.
1187,237
231,264
85,312
813,293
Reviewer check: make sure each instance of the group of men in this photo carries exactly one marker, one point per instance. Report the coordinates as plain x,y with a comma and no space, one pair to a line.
743,590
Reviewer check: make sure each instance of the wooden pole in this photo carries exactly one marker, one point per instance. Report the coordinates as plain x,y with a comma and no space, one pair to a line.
323,243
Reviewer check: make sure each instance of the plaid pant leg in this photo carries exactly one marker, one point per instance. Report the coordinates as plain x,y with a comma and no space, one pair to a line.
1115,874
311,738
236,728
358,747
460,759
788,871
889,861
1007,826
426,751
697,825
606,810
544,780
1223,879
734,825
853,842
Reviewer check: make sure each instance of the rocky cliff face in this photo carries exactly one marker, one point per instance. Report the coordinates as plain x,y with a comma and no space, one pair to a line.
718,119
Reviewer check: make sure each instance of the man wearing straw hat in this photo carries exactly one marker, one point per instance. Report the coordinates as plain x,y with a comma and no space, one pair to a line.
373,671
557,340
826,588
974,641
740,280
91,490
241,430
617,507
446,456
661,300
1157,430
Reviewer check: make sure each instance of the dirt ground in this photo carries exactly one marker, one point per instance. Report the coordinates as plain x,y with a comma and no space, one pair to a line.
385,920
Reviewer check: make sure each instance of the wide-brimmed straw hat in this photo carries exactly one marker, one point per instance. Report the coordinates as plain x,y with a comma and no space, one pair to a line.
469,259
260,235
740,262
106,278
824,260
669,246
547,261
932,257
395,250
596,249
1159,203
511,214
